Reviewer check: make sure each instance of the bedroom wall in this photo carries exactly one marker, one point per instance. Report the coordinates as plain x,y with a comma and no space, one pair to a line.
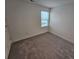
62,21
23,19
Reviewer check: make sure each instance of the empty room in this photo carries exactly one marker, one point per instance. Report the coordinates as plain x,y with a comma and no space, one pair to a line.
39,29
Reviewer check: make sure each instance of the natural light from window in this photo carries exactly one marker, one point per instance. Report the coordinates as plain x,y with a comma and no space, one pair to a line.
44,18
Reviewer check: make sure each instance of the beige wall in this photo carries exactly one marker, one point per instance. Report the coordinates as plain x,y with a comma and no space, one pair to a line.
23,19
62,21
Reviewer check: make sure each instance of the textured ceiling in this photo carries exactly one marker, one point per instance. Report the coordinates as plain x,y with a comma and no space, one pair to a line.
52,3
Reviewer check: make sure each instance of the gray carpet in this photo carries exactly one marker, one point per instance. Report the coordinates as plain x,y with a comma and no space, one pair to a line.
44,46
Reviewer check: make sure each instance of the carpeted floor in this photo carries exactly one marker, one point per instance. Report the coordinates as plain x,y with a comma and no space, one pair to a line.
44,46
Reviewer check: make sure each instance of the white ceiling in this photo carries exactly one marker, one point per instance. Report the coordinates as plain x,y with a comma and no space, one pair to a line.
52,3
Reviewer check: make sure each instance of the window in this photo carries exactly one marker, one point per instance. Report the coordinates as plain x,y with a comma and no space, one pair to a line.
44,18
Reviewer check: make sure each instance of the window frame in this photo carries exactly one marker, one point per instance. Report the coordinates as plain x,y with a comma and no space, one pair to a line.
48,18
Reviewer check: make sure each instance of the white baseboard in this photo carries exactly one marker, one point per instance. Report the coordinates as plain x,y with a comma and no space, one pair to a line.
62,36
25,37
